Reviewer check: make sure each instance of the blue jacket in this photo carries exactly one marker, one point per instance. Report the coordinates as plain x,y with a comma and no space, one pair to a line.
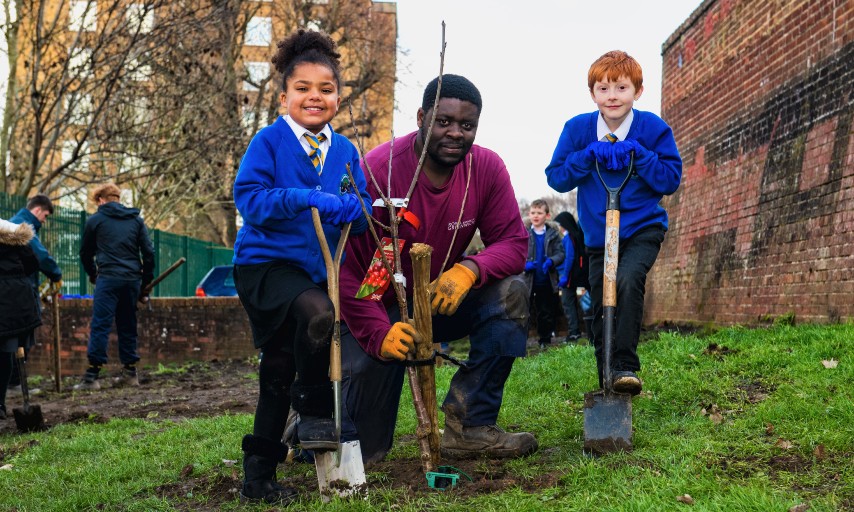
47,264
565,268
271,193
658,166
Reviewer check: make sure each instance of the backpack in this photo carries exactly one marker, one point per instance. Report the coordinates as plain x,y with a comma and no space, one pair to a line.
579,271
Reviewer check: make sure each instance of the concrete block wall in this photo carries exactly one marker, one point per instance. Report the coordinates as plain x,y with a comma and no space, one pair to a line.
173,331
759,96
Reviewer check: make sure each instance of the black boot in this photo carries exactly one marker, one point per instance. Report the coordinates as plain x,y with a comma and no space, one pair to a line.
260,458
314,404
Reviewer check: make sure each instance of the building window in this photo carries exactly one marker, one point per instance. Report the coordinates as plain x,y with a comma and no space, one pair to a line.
256,72
313,25
83,16
82,162
138,71
80,62
140,18
259,31
248,119
78,108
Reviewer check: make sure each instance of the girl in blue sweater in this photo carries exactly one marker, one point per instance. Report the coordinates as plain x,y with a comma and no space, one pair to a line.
611,135
295,164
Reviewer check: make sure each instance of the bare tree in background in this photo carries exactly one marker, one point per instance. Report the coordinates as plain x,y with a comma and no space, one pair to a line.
159,96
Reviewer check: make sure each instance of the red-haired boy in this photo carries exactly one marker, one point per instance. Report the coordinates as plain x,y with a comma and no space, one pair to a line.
609,135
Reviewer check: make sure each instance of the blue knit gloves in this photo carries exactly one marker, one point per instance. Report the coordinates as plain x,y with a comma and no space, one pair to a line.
614,155
351,208
333,209
529,266
547,265
562,282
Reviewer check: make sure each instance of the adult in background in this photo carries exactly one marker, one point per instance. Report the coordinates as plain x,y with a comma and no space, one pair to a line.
39,207
119,259
480,296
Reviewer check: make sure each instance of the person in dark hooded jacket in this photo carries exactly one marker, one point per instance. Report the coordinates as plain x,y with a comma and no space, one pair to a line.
19,305
118,256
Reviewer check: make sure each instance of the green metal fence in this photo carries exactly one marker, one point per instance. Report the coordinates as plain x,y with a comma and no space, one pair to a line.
63,231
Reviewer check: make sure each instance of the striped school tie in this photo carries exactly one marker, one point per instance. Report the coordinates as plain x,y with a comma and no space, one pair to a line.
316,154
610,137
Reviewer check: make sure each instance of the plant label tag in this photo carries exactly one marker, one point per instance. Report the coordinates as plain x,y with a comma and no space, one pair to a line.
377,278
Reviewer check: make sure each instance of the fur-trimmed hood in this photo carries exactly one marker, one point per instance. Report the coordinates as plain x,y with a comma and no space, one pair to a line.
15,234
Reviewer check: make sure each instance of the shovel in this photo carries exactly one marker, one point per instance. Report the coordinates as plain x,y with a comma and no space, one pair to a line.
608,414
340,472
29,417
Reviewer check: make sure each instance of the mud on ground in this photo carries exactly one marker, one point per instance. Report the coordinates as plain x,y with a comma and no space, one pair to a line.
214,388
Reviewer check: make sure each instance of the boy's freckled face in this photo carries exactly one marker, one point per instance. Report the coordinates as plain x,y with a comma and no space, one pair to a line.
615,99
311,97
537,216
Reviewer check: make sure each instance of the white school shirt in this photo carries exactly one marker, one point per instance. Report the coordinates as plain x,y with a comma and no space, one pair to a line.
300,131
621,132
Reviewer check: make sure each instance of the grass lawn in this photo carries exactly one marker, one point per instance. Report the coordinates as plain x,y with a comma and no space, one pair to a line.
737,420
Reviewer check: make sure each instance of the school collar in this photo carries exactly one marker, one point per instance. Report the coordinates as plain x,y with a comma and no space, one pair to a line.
622,132
300,131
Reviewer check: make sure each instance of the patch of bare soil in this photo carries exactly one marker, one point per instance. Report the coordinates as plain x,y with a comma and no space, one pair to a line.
196,390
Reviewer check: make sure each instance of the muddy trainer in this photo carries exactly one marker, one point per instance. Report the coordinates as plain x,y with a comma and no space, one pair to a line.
480,296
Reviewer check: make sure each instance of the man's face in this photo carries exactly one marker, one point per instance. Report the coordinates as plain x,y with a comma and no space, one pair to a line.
40,213
453,131
537,216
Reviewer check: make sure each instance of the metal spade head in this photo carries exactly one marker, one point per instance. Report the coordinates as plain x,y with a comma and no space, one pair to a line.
607,422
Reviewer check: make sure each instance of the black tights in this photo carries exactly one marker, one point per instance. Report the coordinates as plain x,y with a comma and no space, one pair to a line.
298,355
6,366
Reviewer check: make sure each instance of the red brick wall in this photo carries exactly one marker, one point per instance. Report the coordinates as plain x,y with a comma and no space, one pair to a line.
174,331
759,96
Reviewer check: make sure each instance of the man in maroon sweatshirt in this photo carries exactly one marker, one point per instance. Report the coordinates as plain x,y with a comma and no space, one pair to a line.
480,296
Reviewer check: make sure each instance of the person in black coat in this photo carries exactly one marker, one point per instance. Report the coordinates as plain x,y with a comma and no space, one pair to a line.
19,304
118,256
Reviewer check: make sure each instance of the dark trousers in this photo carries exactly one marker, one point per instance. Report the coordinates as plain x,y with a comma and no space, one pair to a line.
636,257
114,299
494,317
545,300
570,309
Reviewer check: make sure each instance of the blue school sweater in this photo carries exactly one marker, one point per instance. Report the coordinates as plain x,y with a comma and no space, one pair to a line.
659,171
271,193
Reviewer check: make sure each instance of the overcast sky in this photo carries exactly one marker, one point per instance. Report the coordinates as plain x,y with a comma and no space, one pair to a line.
529,64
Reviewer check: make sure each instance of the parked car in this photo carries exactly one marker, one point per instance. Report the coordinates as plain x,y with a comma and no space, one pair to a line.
218,282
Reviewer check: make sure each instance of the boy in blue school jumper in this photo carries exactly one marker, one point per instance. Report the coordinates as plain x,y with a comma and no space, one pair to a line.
545,255
295,164
619,139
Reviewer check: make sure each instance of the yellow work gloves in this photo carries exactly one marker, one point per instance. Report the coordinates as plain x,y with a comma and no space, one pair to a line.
54,288
399,340
451,288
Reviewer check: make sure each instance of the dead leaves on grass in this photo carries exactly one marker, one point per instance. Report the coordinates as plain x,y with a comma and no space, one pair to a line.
686,499
830,363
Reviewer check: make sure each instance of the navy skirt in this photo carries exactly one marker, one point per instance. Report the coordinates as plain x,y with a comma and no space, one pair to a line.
266,291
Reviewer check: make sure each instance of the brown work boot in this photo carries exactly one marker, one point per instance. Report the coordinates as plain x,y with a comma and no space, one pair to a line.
461,442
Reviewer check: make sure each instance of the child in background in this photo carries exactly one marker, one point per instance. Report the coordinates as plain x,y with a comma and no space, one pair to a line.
573,272
291,166
545,254
19,307
621,140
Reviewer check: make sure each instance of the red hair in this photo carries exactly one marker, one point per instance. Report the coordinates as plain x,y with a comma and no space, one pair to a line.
613,65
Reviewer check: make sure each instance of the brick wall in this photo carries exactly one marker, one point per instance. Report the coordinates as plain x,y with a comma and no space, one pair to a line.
759,95
174,331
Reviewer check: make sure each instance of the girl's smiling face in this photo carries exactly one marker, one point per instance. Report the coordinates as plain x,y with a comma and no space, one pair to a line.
615,99
311,97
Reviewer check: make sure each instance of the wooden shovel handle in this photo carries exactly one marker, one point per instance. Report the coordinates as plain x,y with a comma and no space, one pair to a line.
332,267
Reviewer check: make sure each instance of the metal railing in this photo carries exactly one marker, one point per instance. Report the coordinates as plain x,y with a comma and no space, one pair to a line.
63,231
